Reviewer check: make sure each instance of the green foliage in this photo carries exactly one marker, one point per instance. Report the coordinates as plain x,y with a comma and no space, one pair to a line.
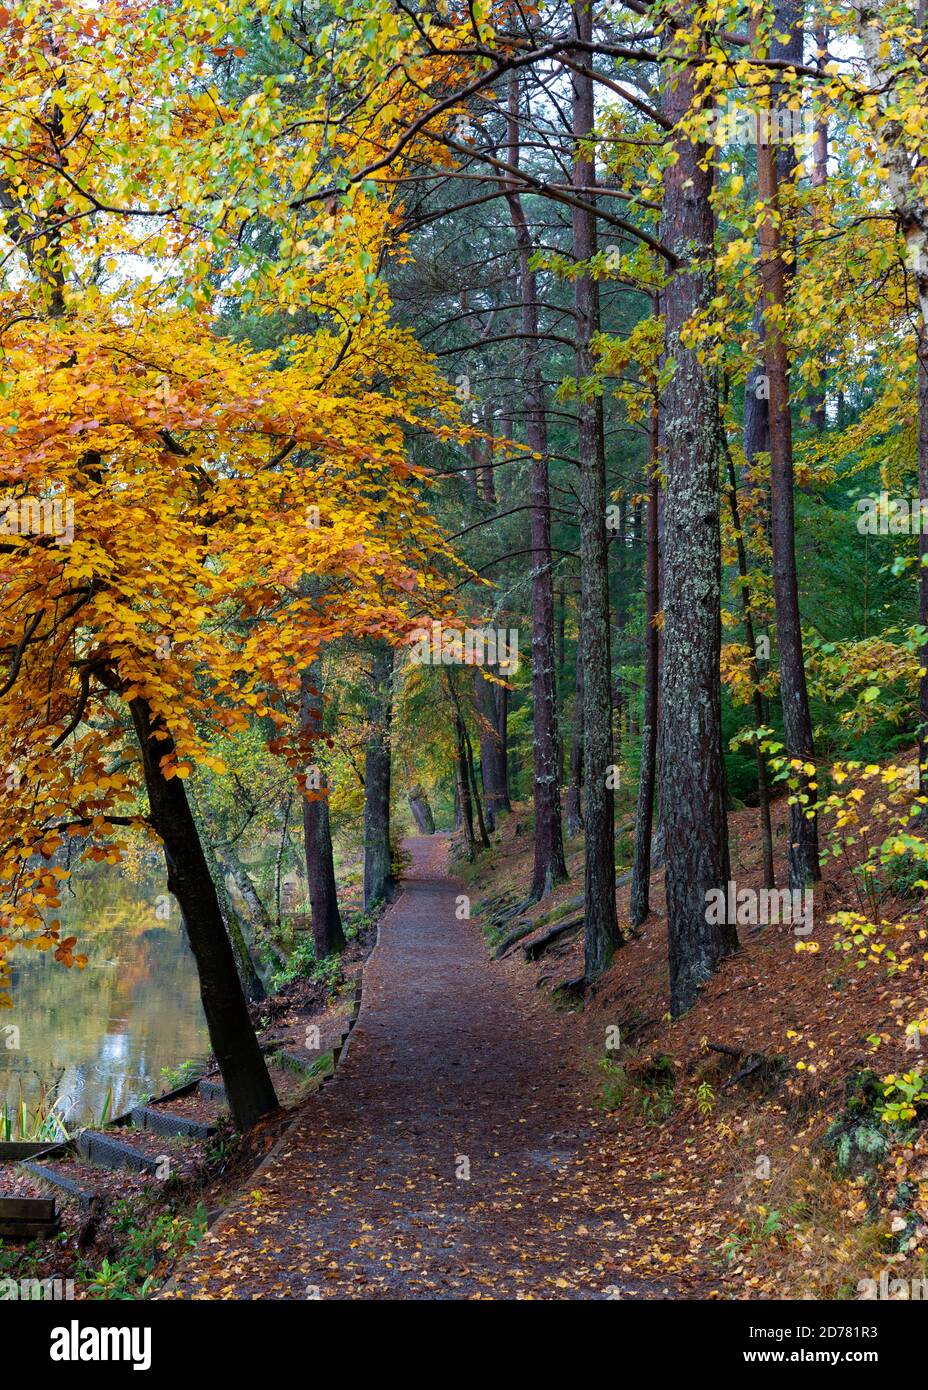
303,965
329,971
143,1248
179,1076
758,1230
904,1097
652,1088
27,1261
616,1085
106,1110
357,922
862,1134
740,758
657,1105
43,1119
901,876
705,1099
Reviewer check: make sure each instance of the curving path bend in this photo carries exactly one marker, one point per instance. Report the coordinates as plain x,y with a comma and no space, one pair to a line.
446,1158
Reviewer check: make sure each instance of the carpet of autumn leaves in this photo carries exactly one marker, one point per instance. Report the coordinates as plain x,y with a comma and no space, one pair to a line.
726,1180
457,1153
613,1154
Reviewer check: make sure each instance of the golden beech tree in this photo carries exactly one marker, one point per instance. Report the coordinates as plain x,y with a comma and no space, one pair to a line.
188,521
166,492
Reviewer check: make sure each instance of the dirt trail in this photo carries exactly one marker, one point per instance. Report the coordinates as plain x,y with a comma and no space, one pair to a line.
451,1155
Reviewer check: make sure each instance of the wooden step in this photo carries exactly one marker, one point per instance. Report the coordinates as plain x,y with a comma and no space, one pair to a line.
14,1151
28,1218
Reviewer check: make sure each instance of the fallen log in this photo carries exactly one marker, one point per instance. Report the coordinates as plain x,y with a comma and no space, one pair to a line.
536,948
498,919
512,938
753,1065
637,1027
574,987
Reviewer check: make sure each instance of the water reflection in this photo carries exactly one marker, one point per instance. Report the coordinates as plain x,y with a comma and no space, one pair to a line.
134,1009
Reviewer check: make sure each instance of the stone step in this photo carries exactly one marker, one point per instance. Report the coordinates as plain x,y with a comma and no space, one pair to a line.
110,1152
159,1120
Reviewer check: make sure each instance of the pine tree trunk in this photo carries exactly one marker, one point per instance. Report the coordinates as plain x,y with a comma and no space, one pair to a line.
279,856
692,778
378,870
820,180
756,430
639,903
923,556
549,867
475,788
487,488
462,784
493,703
911,208
259,919
763,790
249,1089
797,720
601,930
421,810
574,803
252,984
328,933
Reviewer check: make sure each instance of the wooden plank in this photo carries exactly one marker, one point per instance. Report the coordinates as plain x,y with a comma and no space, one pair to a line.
28,1230
37,1208
109,1152
14,1150
25,1218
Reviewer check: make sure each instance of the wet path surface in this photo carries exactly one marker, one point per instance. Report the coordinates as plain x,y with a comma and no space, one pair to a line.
444,1160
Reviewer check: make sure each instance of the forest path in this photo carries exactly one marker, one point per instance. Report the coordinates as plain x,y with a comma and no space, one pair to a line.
453,1069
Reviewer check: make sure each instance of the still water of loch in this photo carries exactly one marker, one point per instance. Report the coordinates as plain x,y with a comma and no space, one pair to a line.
109,1029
